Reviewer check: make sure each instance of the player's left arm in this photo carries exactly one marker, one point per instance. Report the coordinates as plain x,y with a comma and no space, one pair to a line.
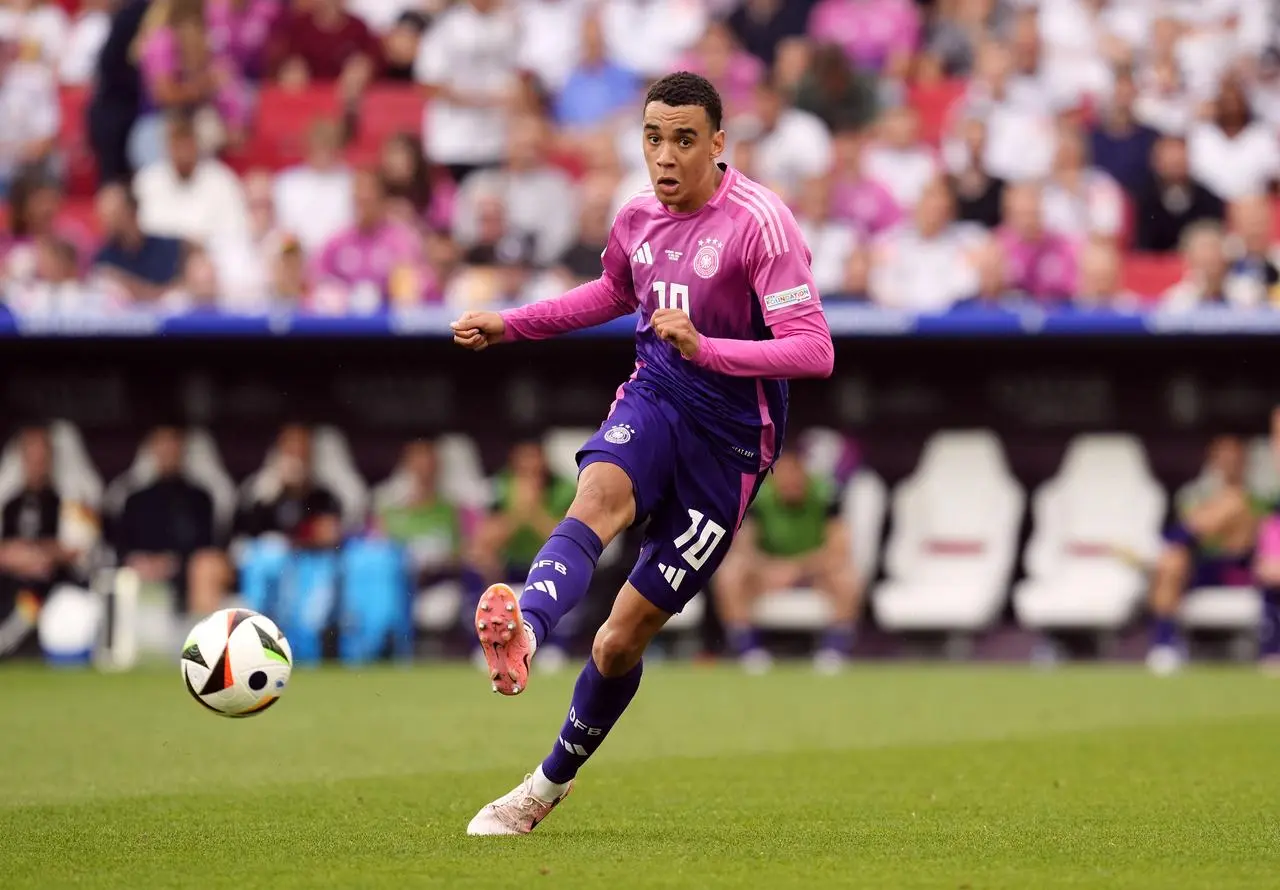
779,268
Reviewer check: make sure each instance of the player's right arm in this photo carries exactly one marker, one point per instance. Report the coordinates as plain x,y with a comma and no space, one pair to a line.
610,296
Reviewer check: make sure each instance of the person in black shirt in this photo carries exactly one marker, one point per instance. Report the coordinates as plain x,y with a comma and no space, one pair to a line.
287,500
1172,200
31,559
166,531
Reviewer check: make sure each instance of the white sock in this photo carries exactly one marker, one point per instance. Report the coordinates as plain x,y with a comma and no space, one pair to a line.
545,789
533,639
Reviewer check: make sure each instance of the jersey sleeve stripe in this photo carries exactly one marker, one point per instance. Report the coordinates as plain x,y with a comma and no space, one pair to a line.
767,221
767,199
764,228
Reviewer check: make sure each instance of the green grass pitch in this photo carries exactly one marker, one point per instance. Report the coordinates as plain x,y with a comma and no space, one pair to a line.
958,778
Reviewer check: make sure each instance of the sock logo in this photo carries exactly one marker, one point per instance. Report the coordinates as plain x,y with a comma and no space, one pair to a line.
547,587
551,563
571,748
578,724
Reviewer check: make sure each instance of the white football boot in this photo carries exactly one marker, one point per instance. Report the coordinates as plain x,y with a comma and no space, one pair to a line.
517,812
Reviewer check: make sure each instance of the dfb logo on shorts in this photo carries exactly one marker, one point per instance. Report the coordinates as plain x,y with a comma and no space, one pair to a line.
619,434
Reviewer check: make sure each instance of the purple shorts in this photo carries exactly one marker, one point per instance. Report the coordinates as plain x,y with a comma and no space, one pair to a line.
693,500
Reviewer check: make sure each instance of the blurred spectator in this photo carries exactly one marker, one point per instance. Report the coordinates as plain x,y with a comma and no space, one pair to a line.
379,263
137,265
830,240
1253,278
1017,112
38,28
551,33
198,289
88,34
429,527
598,89
1119,144
958,29
240,30
1205,258
33,214
831,89
793,535
761,25
790,145
865,203
1041,263
181,74
648,36
381,16
244,260
400,45
734,72
320,41
1172,200
1264,89
1233,154
1163,101
527,186
285,498
978,195
1210,543
54,287
467,60
417,195
288,271
1080,200
117,94
875,35
899,159
497,265
166,531
855,282
31,557
581,261
187,196
1100,286
992,292
29,113
923,266
1084,39
313,200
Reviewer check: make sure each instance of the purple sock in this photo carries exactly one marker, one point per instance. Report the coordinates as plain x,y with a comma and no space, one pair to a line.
598,702
559,576
1269,636
1164,632
838,639
742,638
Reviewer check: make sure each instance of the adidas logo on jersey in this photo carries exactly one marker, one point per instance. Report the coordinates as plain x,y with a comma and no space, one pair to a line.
673,575
643,255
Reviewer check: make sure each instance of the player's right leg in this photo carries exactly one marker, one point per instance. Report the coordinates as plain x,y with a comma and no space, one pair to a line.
1173,571
624,467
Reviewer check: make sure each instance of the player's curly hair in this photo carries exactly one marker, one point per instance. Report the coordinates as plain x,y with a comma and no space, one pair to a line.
687,88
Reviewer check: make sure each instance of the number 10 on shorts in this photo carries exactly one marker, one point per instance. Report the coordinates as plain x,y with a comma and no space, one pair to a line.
673,296
709,534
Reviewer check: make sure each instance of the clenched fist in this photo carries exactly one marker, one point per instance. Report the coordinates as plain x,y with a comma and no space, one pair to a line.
476,330
676,327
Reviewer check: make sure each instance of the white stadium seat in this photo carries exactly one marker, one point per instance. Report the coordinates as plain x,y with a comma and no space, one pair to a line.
1221,608
74,476
954,538
1096,525
462,480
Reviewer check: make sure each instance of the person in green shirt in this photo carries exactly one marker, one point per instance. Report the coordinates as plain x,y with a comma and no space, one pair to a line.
428,526
528,502
792,535
1210,544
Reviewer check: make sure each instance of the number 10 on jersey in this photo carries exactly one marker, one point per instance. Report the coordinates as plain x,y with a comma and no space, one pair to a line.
672,296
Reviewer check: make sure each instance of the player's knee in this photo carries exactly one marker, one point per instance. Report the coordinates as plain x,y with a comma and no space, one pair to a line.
604,500
617,648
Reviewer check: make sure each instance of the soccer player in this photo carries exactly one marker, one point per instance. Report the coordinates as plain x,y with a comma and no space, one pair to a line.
728,312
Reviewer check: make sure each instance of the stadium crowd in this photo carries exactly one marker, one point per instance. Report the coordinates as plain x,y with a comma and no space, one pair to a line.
958,153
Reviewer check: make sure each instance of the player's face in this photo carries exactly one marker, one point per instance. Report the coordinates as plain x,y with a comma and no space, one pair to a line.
681,150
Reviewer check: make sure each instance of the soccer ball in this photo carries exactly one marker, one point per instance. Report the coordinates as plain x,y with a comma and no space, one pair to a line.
236,663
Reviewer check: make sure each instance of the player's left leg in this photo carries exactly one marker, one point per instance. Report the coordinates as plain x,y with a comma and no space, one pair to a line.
605,687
